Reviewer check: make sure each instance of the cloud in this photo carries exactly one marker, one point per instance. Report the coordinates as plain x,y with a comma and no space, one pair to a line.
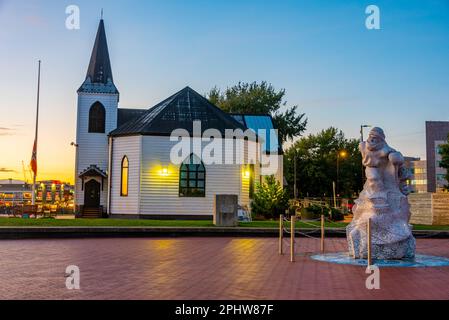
6,170
6,131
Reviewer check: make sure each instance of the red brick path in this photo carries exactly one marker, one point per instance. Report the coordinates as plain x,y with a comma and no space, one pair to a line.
203,268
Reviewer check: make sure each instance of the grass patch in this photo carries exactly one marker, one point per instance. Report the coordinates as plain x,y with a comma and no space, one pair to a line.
418,227
17,222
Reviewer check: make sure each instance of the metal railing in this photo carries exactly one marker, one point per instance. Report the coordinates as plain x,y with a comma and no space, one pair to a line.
292,231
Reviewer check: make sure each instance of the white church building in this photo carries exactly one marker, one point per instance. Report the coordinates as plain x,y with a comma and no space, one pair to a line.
124,158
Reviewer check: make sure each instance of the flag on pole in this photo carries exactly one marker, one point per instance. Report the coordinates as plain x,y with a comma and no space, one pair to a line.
33,163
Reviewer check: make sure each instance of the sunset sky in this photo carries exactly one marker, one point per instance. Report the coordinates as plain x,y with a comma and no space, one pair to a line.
338,72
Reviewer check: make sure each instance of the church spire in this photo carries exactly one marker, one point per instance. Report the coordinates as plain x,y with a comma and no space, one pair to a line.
100,66
99,74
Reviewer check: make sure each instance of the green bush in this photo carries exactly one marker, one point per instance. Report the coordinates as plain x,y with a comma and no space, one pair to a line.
292,210
312,212
336,215
270,200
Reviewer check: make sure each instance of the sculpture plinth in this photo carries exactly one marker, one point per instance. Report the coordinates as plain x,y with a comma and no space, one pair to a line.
384,201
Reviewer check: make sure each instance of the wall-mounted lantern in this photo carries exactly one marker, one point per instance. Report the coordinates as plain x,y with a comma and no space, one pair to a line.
164,172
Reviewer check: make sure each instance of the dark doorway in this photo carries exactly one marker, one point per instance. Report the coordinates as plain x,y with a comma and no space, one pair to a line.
92,194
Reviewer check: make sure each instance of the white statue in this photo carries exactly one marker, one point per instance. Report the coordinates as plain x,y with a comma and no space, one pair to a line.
384,201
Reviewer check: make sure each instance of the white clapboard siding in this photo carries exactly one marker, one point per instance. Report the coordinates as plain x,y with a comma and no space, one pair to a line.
253,150
129,147
93,147
160,194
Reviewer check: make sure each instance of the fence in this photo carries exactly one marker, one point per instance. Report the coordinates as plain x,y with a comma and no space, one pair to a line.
344,204
292,231
287,226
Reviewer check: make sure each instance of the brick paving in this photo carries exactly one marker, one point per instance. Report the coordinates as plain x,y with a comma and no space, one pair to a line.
203,268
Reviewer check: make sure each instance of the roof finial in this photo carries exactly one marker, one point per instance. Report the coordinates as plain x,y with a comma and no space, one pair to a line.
101,13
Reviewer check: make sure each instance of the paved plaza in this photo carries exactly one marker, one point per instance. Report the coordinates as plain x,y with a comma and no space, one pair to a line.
203,268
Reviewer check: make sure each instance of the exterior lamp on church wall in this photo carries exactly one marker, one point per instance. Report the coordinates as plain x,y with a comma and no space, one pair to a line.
246,173
164,172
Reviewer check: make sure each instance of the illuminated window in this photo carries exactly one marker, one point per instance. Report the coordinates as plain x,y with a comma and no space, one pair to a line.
419,182
124,177
192,178
97,118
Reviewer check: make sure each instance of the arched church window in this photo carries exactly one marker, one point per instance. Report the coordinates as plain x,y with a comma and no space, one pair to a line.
192,178
124,177
97,118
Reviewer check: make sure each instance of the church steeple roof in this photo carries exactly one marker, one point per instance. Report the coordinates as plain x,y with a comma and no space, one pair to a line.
99,74
100,66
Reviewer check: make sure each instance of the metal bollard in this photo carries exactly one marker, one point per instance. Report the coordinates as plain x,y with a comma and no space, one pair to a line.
292,239
322,233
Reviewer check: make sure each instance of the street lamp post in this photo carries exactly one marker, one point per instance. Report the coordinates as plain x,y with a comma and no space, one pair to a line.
295,190
335,184
340,154
361,140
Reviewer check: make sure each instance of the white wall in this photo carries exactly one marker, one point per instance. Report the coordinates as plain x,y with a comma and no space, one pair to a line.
160,194
130,147
93,147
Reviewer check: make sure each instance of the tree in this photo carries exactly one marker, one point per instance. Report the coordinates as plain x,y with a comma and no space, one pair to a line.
270,199
316,163
261,98
444,152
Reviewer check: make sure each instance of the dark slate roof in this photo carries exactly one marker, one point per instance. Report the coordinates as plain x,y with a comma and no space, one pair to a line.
125,115
99,74
100,66
239,117
178,112
93,171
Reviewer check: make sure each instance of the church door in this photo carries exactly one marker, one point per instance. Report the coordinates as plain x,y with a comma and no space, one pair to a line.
92,194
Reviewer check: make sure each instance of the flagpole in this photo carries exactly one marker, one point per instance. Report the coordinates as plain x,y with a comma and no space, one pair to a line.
36,132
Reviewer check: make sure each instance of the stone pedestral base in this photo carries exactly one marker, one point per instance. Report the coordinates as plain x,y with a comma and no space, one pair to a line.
226,211
391,235
404,249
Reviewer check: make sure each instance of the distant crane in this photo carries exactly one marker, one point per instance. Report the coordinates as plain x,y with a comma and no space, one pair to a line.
25,171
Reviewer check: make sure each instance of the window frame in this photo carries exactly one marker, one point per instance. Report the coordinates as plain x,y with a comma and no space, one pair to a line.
97,118
187,191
